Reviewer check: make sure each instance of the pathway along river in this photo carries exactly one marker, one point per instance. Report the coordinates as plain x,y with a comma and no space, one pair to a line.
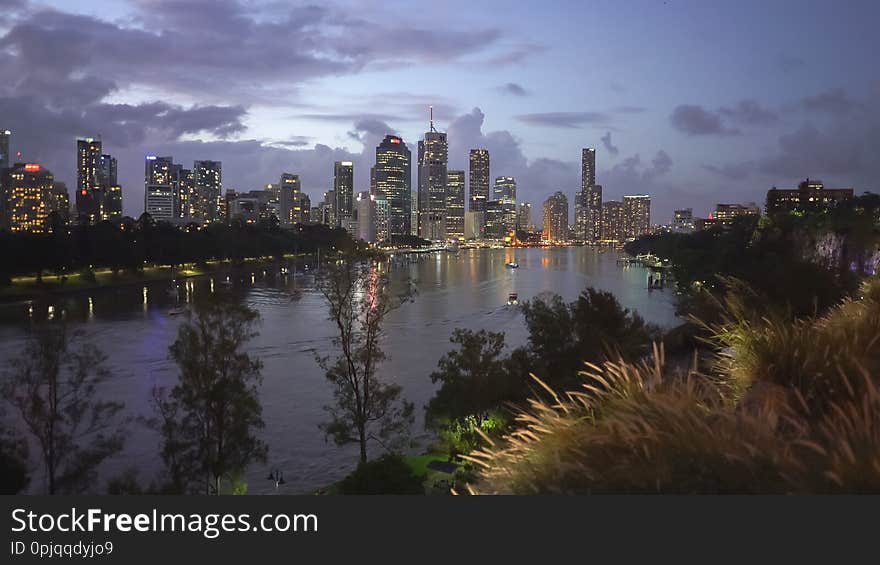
133,327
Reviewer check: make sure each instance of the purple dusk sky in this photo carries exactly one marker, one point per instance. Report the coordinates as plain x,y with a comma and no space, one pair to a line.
692,101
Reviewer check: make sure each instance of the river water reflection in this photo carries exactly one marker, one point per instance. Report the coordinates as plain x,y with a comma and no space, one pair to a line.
134,326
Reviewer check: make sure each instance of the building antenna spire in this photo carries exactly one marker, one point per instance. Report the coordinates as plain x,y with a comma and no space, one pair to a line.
431,110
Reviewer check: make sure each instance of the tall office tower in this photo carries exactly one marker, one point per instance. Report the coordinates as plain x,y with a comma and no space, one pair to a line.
111,203
414,214
31,198
683,220
636,215
524,217
479,179
365,204
555,218
504,191
290,203
159,187
594,213
612,222
494,221
433,159
184,188
207,186
343,187
392,174
455,205
88,180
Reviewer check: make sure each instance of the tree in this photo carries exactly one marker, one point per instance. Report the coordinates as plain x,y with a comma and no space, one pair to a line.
474,384
53,386
366,409
209,419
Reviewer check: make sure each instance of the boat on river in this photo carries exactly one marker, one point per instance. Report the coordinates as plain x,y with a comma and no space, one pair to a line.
512,265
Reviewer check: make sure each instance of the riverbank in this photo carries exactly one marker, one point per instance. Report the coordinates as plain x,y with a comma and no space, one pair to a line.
31,288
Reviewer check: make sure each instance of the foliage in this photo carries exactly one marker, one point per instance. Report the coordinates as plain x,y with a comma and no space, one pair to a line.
130,244
791,407
366,409
52,386
209,419
773,257
390,474
595,326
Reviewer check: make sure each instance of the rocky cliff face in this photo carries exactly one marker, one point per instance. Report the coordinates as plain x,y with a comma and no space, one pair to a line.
840,252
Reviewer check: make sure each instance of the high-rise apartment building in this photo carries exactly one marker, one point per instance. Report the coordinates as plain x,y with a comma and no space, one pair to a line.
683,220
159,187
455,205
612,222
88,179
290,201
555,218
636,215
392,177
207,187
31,198
588,200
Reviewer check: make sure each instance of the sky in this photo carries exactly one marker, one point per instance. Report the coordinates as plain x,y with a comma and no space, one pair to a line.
692,101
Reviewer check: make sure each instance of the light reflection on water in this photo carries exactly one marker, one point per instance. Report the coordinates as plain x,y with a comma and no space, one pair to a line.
135,325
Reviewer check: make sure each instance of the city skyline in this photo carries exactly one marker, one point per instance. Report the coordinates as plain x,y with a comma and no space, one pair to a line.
754,122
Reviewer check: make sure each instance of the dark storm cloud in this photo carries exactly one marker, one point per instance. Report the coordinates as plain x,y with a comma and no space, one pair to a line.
609,146
749,112
696,120
568,120
513,89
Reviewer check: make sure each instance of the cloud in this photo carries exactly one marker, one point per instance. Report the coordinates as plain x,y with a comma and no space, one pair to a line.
513,89
630,109
695,120
220,48
836,102
750,112
732,171
660,165
610,147
563,119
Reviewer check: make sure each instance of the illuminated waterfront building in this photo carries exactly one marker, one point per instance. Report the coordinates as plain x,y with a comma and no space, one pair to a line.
555,218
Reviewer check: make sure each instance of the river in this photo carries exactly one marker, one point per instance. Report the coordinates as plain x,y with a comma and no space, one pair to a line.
134,328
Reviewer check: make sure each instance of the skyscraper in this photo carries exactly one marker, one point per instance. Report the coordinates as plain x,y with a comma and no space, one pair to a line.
108,200
343,187
433,159
636,215
612,222
290,200
455,205
88,179
555,218
184,186
5,168
207,187
588,200
504,192
31,198
392,177
159,187
524,217
479,179
683,220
